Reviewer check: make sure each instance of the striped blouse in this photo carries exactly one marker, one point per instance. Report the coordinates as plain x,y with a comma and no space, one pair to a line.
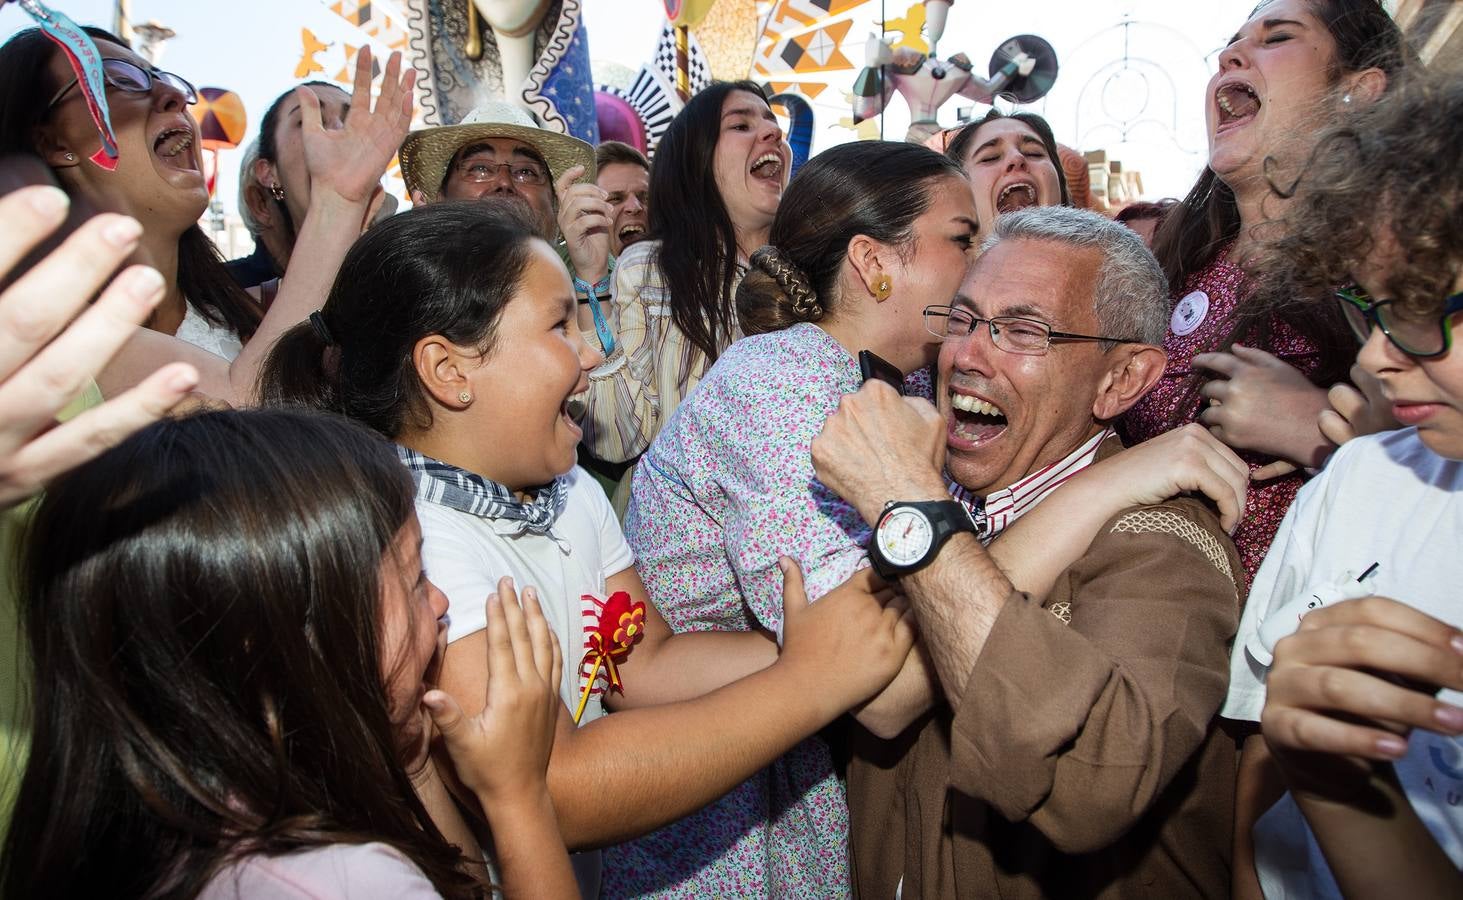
653,366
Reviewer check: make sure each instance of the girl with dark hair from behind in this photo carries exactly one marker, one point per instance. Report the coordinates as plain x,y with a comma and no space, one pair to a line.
1250,371
232,634
159,181
1356,681
452,330
719,174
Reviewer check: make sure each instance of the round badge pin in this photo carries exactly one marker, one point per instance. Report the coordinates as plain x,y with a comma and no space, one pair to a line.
1189,313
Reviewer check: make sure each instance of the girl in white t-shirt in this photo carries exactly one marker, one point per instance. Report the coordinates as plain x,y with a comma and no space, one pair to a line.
1350,651
451,329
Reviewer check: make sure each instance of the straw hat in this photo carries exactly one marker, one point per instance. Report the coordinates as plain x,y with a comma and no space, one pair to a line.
426,154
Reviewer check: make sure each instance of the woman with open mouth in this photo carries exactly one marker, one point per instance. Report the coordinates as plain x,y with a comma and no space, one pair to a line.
1250,371
1012,163
203,317
719,173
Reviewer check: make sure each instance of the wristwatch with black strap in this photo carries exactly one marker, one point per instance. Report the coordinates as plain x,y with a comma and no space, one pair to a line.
909,535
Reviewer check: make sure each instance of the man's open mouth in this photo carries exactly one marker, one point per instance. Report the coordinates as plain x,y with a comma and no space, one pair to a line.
631,233
975,420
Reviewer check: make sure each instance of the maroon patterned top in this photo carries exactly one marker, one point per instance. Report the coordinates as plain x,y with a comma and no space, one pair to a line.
1203,315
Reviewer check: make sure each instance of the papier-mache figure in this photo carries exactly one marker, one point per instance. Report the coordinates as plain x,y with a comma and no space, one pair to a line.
1024,68
532,53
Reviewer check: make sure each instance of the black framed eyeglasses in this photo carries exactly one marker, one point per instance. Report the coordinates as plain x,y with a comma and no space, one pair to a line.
125,75
1420,337
478,171
1013,334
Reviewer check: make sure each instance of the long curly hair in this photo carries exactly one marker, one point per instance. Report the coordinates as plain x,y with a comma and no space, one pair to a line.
1392,167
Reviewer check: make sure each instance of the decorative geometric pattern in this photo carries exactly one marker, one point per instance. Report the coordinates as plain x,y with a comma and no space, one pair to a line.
1165,521
806,53
653,99
806,12
569,87
664,60
1062,610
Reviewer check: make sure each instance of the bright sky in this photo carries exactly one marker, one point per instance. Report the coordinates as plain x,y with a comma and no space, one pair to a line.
252,48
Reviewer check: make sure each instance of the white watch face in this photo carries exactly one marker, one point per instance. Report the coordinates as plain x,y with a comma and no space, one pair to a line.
905,536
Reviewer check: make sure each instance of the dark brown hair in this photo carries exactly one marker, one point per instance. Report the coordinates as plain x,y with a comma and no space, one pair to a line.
610,153
960,145
1392,166
698,246
25,87
447,268
873,188
202,605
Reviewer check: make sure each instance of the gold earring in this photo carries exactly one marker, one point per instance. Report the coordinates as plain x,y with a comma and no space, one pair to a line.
464,398
881,292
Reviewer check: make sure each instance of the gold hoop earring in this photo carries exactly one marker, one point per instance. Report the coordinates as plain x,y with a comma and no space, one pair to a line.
881,291
464,398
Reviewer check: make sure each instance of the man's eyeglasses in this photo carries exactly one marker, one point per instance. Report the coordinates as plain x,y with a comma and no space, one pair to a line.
1420,337
478,171
134,79
1013,334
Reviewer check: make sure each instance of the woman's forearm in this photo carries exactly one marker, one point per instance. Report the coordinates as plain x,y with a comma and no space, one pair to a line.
1377,846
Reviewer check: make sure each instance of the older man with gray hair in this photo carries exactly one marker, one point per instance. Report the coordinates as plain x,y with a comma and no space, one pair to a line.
1072,748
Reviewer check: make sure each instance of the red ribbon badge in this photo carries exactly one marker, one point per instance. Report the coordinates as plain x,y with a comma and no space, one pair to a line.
621,624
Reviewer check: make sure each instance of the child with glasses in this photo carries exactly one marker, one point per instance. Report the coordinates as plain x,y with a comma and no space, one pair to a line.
1350,654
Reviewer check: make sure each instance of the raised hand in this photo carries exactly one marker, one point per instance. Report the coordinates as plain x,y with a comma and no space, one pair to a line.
852,642
52,343
502,753
879,446
350,161
1263,403
584,221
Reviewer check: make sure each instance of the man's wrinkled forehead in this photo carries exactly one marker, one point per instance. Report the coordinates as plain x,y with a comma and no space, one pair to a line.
1037,279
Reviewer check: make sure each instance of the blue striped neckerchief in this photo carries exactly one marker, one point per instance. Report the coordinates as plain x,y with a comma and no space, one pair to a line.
447,485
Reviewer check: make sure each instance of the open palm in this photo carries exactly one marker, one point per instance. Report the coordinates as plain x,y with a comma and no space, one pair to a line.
350,161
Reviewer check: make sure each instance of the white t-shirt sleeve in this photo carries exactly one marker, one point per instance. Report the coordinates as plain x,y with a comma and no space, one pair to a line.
454,563
615,553
336,872
1285,589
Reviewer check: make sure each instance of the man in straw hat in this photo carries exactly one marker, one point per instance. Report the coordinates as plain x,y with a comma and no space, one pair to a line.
498,153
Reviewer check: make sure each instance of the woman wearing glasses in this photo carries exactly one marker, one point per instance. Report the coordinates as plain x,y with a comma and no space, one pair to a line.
1360,698
866,236
159,182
